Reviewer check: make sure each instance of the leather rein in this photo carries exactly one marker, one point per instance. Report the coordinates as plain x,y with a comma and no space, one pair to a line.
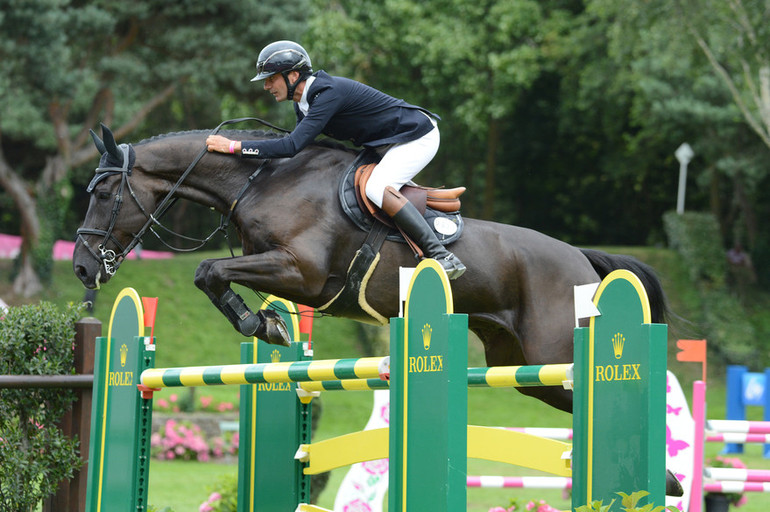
109,259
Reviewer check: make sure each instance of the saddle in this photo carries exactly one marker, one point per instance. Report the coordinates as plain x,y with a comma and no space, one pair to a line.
441,208
445,200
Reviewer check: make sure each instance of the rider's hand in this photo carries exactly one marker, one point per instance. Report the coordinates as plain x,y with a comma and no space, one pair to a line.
222,144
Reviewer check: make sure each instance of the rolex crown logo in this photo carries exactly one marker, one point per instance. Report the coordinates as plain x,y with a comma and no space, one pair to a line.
123,354
275,356
617,345
427,330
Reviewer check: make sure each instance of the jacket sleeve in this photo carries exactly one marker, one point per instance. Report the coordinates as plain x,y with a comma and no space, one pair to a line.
325,104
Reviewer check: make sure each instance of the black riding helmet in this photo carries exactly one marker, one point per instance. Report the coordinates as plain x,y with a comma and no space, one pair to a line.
283,57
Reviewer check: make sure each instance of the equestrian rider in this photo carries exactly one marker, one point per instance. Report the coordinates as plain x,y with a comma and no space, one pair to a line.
348,110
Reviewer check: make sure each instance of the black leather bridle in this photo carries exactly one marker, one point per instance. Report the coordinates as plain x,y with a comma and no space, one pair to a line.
108,258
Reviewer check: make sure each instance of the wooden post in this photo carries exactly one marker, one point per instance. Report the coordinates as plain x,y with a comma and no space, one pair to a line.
71,495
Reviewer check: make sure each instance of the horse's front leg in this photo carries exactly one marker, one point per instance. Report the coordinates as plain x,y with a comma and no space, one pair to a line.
266,271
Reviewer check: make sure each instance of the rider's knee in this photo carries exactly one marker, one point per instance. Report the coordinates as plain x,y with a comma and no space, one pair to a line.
375,192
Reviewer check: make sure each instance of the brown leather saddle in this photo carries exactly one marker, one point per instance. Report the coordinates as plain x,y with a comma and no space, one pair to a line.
440,207
445,200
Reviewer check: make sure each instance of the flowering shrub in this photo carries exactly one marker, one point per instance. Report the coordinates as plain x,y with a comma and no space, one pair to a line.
737,499
206,403
531,506
227,445
179,440
182,440
223,500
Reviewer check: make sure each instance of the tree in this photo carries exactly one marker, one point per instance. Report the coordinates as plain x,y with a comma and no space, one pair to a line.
468,62
66,65
701,73
735,38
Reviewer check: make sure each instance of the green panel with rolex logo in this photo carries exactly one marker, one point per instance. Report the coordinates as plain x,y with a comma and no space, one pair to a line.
619,407
429,398
118,465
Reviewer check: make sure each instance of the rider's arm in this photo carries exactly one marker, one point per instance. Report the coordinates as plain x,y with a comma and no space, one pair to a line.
323,107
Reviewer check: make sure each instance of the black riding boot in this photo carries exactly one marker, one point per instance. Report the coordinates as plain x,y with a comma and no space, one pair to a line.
412,223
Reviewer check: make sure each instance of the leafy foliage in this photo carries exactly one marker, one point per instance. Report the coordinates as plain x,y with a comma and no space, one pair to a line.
34,453
629,503
725,324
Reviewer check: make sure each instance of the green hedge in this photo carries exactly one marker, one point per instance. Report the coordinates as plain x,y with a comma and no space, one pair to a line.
34,453
731,337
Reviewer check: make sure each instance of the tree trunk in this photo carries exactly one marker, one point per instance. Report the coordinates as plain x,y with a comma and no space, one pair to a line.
27,282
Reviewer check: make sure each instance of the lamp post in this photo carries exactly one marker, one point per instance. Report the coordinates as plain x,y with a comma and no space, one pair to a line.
684,154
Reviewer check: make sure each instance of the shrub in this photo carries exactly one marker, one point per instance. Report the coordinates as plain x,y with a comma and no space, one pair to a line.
35,455
183,440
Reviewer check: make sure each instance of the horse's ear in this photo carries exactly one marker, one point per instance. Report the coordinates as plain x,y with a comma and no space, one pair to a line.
110,144
98,142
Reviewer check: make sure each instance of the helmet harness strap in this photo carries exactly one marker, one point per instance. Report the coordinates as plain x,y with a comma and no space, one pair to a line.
290,88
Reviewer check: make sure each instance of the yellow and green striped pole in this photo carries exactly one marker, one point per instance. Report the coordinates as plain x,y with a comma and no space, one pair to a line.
494,377
300,371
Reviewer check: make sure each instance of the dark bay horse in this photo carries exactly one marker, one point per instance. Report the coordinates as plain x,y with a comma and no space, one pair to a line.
298,244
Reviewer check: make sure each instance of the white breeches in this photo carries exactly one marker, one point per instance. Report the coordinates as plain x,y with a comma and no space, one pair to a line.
401,163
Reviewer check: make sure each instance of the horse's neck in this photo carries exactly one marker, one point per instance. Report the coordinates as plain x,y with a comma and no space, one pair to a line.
211,182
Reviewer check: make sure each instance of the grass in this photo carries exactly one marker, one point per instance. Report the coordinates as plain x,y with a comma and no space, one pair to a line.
190,331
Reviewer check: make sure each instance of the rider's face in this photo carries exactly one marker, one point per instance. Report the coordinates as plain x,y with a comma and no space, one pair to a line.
276,85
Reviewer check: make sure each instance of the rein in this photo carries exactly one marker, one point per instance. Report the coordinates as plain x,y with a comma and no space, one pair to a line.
107,257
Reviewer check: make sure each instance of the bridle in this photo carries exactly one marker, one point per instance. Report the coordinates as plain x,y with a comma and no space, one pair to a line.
108,258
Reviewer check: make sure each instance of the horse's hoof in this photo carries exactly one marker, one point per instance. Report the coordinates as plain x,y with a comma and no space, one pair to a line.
673,487
272,328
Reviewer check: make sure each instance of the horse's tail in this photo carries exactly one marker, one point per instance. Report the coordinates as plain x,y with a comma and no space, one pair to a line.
605,263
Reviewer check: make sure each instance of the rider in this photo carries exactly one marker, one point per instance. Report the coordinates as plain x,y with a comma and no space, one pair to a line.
348,110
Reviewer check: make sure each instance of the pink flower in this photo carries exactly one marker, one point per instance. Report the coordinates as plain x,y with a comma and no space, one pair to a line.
497,509
205,507
215,496
173,398
162,403
206,401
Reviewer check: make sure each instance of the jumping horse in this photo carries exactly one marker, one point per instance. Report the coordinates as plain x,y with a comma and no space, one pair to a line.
298,244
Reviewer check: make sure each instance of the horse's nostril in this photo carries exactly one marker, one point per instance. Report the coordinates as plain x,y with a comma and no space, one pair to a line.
80,271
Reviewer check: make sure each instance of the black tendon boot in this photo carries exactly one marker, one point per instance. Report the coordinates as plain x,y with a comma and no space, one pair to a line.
265,324
409,220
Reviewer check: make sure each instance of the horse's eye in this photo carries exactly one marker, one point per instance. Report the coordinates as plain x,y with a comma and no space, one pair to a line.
103,196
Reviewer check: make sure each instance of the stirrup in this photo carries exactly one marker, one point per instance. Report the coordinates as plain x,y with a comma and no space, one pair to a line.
452,265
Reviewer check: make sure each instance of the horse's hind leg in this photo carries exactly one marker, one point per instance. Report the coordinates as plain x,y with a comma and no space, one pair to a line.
265,324
502,348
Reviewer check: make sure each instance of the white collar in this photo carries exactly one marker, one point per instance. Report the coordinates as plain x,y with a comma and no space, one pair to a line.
304,106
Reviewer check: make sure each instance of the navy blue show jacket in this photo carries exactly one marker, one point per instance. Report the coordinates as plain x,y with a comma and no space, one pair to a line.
346,110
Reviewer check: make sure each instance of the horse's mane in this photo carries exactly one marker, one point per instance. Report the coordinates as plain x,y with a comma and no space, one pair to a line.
246,135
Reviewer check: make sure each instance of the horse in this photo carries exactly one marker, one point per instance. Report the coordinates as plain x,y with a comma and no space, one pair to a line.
298,244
